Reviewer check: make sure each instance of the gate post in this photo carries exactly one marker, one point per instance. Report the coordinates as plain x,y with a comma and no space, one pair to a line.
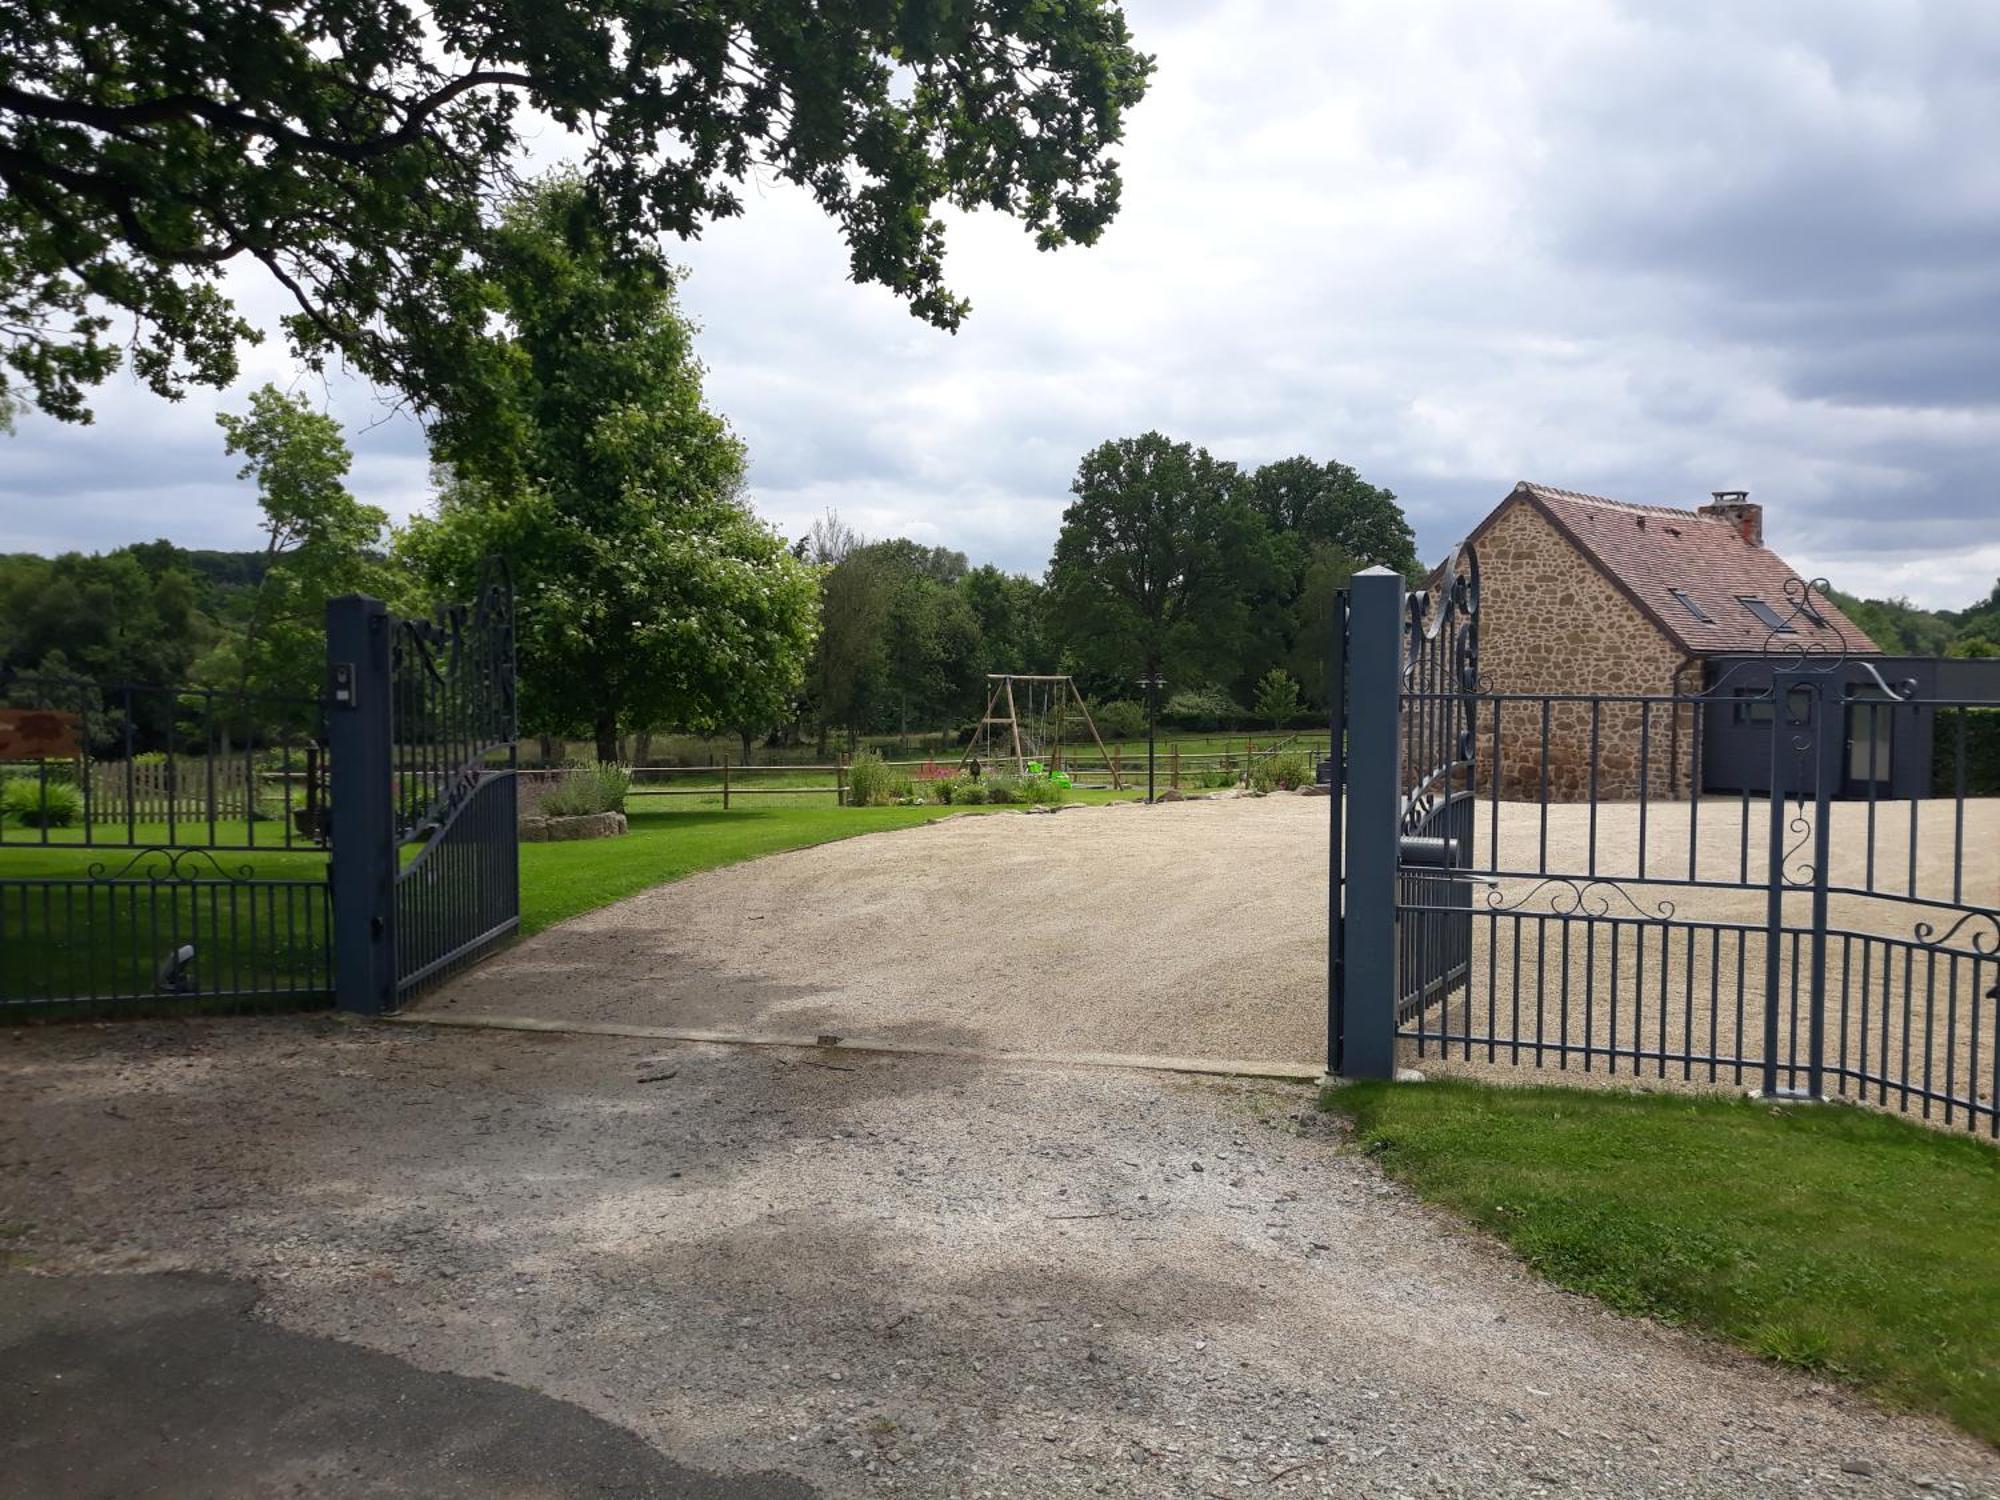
1374,723
362,869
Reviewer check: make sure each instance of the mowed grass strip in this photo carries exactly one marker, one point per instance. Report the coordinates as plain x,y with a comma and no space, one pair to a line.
1826,1237
689,835
109,938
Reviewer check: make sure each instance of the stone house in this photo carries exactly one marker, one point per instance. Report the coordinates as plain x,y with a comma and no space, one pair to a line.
1588,596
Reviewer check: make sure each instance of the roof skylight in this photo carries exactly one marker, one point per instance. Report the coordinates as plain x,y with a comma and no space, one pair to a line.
1769,616
1687,603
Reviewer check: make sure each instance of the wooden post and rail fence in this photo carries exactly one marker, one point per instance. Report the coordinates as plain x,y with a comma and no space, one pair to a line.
730,780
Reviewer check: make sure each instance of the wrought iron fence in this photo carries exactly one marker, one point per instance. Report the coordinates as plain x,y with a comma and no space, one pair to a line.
163,925
1574,891
136,765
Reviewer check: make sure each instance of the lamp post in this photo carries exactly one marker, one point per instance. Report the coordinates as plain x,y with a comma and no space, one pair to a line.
1151,683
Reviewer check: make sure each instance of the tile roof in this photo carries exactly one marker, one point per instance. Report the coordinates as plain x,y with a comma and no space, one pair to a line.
1650,550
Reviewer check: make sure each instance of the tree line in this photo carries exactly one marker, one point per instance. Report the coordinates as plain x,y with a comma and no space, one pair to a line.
651,597
1903,629
1170,562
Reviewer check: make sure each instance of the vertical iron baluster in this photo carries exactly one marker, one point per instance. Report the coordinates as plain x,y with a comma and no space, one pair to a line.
1861,1030
1591,997
1514,928
1930,1023
1542,860
1958,814
1492,982
1950,1031
1792,1015
1565,920
1743,837
1742,984
1912,878
1846,982
1493,773
1774,893
1874,774
1645,773
1596,749
1541,983
1695,718
1715,1004
1909,979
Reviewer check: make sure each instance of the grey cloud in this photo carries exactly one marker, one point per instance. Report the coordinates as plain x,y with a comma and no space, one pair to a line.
1811,177
1648,250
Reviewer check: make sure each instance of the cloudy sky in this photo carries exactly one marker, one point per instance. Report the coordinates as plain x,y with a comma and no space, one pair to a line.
1647,250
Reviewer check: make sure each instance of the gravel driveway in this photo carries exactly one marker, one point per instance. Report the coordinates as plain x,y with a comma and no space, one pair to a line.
894,1275
1198,929
1193,929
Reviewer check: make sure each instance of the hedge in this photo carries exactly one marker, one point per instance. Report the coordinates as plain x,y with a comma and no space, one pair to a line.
1982,752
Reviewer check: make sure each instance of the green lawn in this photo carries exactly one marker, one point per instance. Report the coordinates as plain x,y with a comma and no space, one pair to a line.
673,837
107,938
110,834
1826,1237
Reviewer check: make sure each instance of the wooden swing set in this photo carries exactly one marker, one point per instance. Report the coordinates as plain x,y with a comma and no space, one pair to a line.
1039,734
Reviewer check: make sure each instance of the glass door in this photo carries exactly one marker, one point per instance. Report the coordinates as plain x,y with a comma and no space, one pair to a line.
1871,739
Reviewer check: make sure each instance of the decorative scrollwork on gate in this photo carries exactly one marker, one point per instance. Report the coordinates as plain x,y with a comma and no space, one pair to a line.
1441,681
1985,944
454,705
1820,647
1569,898
162,865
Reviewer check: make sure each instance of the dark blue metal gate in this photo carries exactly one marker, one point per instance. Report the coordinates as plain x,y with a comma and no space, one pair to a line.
422,724
1434,814
1809,937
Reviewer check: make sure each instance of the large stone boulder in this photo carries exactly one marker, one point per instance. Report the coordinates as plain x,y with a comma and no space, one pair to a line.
536,829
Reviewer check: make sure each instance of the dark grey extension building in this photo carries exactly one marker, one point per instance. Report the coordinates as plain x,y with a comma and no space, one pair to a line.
1892,750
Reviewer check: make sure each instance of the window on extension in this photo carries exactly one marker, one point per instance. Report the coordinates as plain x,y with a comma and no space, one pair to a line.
1686,602
1771,619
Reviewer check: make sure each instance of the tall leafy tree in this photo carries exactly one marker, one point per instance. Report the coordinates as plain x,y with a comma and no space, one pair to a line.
356,151
930,661
1158,562
855,589
319,541
105,619
899,644
1325,521
1328,504
1308,614
1008,609
1277,697
648,592
1981,622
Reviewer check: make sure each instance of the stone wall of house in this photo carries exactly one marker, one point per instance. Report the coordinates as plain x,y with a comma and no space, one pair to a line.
1551,623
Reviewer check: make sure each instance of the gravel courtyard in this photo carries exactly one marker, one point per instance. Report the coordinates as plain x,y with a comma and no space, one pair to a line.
1198,929
882,1275
1190,929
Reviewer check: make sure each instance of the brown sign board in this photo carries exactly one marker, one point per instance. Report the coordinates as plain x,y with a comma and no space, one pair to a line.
38,734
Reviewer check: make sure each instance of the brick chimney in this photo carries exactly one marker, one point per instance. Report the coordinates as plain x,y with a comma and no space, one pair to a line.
1734,507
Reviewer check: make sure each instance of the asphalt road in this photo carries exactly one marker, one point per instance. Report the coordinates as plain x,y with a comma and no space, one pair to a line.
167,1385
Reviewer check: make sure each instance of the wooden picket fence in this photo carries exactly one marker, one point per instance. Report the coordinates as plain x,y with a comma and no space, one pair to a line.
184,788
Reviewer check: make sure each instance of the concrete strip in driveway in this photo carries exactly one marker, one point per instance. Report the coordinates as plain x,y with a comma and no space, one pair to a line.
1211,1067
